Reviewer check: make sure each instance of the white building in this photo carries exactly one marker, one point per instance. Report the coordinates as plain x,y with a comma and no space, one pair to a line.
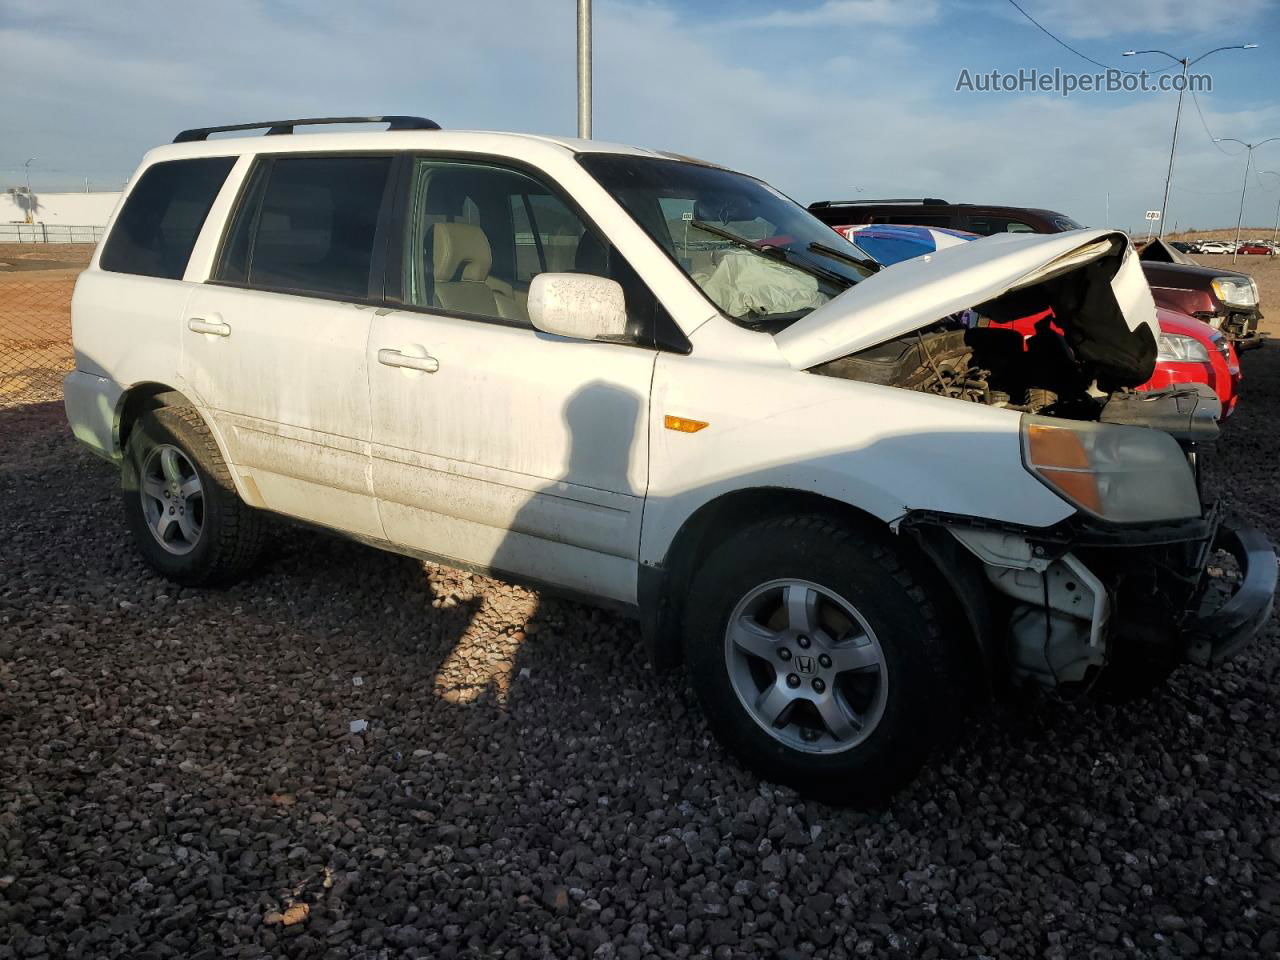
55,217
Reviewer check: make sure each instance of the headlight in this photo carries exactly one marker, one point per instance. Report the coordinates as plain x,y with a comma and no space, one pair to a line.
1182,349
1237,291
1118,473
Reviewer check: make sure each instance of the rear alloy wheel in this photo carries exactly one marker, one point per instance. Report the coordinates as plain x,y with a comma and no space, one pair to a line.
817,657
180,501
172,499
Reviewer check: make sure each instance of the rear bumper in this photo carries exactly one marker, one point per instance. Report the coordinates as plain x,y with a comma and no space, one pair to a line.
1214,637
92,403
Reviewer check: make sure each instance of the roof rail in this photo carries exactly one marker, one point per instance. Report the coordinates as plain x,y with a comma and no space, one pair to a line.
286,126
931,201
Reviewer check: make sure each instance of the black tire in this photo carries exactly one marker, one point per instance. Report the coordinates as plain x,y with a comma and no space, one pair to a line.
864,568
231,533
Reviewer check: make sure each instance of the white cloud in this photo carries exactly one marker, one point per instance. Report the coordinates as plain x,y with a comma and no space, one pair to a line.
851,13
815,118
1094,19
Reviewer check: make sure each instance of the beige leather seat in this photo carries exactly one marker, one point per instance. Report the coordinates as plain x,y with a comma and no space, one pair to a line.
461,259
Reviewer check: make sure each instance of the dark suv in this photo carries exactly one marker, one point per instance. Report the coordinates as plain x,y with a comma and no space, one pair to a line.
1225,299
932,212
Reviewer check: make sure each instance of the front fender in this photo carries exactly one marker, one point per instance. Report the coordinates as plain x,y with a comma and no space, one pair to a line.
882,450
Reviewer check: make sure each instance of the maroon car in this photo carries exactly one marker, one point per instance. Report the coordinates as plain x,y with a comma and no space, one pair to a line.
1227,300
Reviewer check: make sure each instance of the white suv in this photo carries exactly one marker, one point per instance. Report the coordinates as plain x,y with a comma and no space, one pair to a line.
851,501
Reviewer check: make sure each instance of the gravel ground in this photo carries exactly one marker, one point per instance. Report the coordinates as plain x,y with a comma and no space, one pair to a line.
181,779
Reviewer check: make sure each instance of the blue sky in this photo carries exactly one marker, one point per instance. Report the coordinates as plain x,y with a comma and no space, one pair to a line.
841,98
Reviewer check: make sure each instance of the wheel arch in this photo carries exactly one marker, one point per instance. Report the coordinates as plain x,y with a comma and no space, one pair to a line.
150,395
948,575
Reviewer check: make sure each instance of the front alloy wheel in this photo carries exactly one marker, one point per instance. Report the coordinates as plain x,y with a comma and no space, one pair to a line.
806,666
818,657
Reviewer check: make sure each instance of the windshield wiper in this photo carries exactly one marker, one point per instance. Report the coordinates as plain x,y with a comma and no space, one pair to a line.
834,254
773,253
733,238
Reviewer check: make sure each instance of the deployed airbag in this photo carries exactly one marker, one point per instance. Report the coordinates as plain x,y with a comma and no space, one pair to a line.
744,283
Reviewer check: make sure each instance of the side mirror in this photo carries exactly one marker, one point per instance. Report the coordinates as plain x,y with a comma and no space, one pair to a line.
577,305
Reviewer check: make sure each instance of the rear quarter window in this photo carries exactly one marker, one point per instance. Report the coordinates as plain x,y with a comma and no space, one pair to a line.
308,224
157,228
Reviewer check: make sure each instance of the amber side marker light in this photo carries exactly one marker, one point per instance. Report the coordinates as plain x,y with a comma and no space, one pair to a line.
684,424
1060,458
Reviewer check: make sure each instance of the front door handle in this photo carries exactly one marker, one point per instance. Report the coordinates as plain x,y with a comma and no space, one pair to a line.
394,358
217,328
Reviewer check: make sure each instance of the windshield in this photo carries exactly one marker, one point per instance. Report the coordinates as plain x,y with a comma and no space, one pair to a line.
762,259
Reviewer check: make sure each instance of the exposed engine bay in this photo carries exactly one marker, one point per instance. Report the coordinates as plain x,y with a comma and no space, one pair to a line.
989,365
999,367
1057,343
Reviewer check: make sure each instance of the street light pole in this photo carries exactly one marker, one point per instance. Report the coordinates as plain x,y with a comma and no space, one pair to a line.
1276,232
1177,117
1173,148
30,205
584,69
1235,253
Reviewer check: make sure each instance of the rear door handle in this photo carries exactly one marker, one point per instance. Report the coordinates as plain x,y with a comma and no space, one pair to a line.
217,328
394,358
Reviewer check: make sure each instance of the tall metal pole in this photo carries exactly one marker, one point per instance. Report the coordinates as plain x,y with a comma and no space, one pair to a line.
1177,117
30,205
1249,148
1248,158
1276,232
1173,148
584,69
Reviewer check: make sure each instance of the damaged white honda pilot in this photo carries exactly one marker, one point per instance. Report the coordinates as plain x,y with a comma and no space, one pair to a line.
850,502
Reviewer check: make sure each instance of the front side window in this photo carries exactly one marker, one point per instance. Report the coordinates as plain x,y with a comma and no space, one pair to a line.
478,234
156,230
307,225
762,259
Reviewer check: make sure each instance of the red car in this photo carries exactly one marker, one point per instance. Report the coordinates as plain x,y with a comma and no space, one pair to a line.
1191,351
1255,248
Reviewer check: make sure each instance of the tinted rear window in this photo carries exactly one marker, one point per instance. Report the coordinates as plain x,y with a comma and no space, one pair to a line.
307,225
160,221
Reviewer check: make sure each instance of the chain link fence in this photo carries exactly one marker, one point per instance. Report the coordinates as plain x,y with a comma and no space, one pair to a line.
35,336
49,233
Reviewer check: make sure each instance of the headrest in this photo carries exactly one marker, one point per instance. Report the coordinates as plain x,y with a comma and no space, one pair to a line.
462,245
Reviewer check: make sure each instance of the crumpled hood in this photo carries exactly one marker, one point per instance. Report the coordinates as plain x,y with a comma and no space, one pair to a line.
1113,311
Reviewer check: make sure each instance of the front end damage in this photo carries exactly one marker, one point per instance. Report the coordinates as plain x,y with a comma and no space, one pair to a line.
1059,332
1064,607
